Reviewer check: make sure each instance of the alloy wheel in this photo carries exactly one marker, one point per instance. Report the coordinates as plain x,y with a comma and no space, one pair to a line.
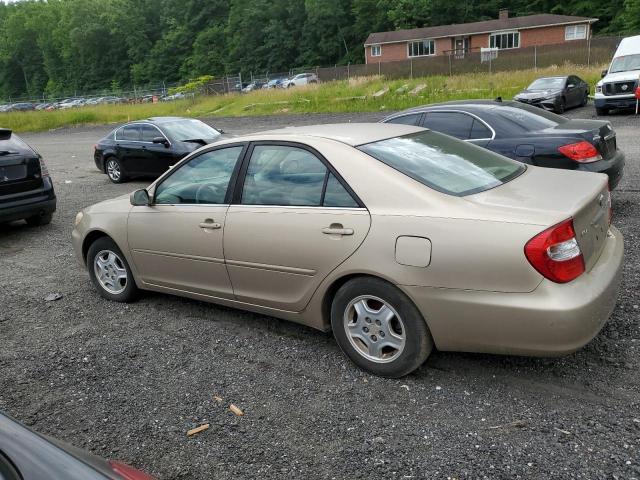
113,170
374,329
110,271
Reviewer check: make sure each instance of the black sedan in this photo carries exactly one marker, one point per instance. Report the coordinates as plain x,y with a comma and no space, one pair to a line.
555,93
149,147
524,133
26,455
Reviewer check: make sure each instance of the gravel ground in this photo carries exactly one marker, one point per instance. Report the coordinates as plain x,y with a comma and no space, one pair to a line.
127,381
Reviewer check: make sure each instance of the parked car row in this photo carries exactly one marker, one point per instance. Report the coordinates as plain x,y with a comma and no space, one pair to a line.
280,82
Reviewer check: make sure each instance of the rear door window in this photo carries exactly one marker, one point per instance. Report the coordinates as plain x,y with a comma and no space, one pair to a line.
129,132
406,119
479,130
444,164
451,123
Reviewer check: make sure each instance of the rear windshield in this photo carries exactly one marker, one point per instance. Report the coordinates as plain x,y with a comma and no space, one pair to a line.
444,163
529,118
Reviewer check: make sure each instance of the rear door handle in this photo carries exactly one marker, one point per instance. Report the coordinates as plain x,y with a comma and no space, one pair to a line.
337,230
209,224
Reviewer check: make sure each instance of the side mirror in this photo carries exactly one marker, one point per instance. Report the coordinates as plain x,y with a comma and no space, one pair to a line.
603,73
571,85
140,198
161,140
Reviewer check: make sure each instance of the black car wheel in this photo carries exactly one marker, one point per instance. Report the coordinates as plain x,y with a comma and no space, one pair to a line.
561,106
585,99
113,169
40,220
379,328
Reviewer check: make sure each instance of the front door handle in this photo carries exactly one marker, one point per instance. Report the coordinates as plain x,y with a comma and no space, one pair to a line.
209,224
337,229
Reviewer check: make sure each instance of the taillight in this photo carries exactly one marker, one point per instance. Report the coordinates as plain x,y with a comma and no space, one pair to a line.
44,171
127,472
582,152
555,253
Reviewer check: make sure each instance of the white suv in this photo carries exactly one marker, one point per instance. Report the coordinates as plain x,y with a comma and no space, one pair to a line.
619,83
301,79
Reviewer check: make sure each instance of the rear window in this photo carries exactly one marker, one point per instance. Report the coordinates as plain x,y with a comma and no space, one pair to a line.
529,118
443,163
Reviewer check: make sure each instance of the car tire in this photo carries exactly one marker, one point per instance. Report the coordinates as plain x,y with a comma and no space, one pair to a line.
561,106
110,272
113,169
601,111
40,220
585,99
379,328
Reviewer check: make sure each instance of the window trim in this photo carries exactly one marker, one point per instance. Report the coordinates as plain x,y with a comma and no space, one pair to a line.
575,30
432,40
236,200
505,32
139,124
407,114
232,181
491,129
379,47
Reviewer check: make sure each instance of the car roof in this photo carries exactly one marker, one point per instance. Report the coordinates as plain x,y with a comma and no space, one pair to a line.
470,104
353,134
164,119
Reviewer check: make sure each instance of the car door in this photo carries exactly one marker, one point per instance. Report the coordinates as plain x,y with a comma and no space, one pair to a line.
129,148
177,241
156,158
574,91
292,222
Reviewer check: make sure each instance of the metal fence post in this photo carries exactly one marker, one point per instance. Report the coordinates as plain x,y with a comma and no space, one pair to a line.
411,68
349,71
535,57
490,61
379,68
450,71
589,52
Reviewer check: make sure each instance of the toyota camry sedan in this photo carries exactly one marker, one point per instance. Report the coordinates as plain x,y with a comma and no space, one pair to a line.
397,238
147,148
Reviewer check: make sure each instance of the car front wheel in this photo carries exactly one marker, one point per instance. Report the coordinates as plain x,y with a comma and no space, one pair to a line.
113,168
109,271
379,328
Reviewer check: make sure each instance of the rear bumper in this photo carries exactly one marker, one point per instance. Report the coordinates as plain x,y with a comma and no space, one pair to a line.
613,167
554,319
28,205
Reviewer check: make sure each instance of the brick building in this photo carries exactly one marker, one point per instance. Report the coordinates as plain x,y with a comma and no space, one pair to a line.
503,33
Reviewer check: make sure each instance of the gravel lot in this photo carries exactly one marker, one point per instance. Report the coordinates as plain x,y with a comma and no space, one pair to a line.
127,381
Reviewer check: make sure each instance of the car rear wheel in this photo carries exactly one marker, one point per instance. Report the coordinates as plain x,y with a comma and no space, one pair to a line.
40,220
561,106
379,328
113,168
585,99
110,272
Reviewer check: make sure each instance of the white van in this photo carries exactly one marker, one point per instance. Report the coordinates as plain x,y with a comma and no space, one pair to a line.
619,82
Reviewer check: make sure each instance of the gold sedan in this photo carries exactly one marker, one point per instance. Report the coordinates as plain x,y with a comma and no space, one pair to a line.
397,238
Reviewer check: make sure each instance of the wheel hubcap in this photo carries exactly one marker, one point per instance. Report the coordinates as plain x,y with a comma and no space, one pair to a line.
374,329
110,271
113,170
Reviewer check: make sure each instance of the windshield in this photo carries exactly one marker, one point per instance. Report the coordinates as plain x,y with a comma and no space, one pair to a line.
547,83
625,64
444,163
181,130
529,118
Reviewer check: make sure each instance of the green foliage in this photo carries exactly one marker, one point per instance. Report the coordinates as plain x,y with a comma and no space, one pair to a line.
63,47
341,96
194,86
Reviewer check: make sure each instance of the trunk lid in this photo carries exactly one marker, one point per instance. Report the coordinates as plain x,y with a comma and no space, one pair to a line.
547,197
598,133
19,167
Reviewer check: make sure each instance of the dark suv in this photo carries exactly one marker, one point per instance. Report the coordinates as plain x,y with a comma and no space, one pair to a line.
26,189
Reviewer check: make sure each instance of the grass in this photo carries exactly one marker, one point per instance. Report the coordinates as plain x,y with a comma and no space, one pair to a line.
355,95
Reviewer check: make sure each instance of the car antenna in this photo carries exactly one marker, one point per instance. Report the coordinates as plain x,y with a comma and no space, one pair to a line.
498,99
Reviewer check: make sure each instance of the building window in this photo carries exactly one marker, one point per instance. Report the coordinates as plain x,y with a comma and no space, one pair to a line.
376,50
575,32
504,40
422,48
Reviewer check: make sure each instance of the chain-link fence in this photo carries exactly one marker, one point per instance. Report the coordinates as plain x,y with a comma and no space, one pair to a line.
594,51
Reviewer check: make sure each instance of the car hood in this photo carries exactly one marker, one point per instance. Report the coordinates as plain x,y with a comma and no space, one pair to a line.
116,205
620,77
528,94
